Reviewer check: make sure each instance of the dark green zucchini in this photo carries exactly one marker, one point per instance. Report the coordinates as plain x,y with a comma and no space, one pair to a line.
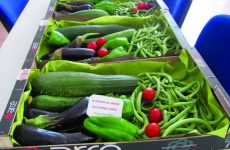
71,32
82,84
53,103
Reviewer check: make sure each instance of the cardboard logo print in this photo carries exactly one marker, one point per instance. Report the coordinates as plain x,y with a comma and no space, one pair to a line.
10,112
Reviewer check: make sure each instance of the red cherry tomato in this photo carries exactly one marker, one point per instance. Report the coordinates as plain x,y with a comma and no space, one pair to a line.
152,130
134,10
148,94
92,45
100,41
102,52
140,5
155,115
146,6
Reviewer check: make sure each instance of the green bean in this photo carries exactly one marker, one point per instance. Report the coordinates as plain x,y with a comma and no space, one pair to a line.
138,102
145,108
188,86
186,121
208,112
171,91
179,104
146,122
182,96
183,129
130,47
148,53
138,117
173,120
142,53
165,116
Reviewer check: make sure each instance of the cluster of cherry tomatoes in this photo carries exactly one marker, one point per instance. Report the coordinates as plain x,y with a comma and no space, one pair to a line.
142,6
97,46
155,114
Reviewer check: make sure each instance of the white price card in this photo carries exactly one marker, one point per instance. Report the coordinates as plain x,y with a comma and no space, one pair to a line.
104,106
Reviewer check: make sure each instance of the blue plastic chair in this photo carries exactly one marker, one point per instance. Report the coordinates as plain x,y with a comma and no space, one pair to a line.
178,9
10,10
213,45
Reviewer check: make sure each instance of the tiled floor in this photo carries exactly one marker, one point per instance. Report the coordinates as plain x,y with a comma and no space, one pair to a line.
3,34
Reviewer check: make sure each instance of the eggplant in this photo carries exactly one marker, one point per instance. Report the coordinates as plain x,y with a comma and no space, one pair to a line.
78,3
73,54
63,12
72,8
32,113
74,115
77,113
27,135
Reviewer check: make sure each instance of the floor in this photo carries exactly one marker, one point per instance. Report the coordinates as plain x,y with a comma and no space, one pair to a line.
199,13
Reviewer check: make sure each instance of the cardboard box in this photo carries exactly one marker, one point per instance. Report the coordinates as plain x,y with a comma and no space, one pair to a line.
189,141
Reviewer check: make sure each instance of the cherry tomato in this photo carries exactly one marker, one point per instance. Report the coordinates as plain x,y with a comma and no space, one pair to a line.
146,6
155,115
102,52
100,41
140,5
152,130
92,45
148,94
134,10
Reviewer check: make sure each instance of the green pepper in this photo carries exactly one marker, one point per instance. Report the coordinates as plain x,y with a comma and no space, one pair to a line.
114,43
124,33
106,6
127,107
119,51
127,110
56,38
111,128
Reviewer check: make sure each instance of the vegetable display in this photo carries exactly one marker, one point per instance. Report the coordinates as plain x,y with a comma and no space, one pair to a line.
97,40
153,99
82,11
155,105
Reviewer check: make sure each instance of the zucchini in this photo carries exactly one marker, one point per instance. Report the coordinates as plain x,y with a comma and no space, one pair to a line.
71,32
53,103
83,15
82,84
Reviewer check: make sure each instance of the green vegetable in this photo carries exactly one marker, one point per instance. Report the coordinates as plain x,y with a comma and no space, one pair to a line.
111,128
81,84
119,51
117,42
83,15
106,6
155,39
57,38
127,111
53,103
127,107
125,33
71,32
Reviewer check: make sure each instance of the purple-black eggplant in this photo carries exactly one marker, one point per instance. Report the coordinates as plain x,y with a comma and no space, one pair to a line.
27,135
